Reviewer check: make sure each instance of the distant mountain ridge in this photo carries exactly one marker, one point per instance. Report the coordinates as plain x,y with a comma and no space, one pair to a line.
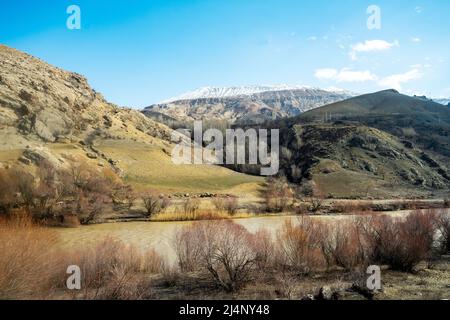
251,104
236,91
445,102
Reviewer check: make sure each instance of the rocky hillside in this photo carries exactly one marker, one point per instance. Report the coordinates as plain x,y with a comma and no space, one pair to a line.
43,103
245,106
383,144
48,113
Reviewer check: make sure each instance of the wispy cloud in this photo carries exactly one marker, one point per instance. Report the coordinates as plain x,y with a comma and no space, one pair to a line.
418,9
371,46
416,39
345,75
396,81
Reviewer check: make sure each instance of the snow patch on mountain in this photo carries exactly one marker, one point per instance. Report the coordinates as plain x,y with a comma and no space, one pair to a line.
236,91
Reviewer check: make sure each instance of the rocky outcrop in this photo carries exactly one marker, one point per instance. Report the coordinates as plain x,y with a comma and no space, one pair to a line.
44,102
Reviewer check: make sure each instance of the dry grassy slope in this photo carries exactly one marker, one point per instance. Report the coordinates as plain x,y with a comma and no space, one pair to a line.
48,112
355,160
383,144
379,103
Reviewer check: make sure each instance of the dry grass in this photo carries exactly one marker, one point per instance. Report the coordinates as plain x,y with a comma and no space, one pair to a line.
114,270
197,216
28,260
33,266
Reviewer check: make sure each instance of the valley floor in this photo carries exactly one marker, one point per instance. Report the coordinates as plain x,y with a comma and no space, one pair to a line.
429,283
138,260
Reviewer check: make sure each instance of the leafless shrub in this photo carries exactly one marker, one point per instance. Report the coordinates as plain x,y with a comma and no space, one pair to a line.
278,195
225,250
110,268
188,249
403,243
301,209
228,204
265,248
154,203
191,206
125,285
312,195
8,191
443,225
285,285
90,191
447,203
343,244
219,203
299,245
315,204
170,276
124,195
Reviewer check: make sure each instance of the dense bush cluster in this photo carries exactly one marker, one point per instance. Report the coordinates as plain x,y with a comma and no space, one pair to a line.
232,255
225,251
51,194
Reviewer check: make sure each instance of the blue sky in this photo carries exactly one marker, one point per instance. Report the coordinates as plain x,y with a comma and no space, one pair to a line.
140,52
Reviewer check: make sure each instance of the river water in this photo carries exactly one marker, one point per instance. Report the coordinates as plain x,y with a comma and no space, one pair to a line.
159,235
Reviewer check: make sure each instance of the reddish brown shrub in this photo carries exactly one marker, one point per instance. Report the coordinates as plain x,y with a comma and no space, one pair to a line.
343,244
403,243
299,245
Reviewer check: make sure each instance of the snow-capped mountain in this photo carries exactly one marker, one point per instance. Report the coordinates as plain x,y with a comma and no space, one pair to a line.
247,104
235,91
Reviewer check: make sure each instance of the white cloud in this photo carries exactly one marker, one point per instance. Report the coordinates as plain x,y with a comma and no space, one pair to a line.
420,66
396,81
418,9
312,38
371,46
325,74
345,75
416,40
